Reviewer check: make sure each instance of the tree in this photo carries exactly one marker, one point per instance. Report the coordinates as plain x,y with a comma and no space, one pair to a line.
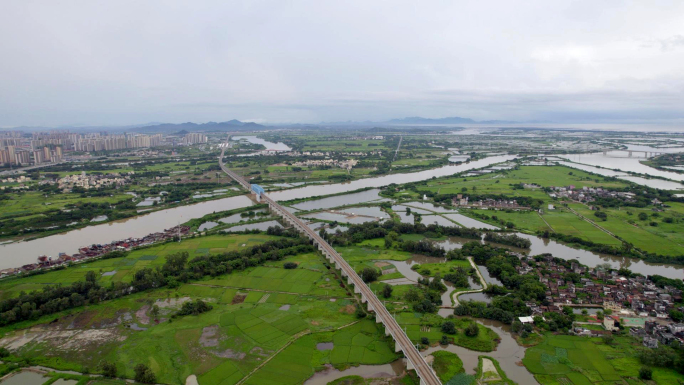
608,339
108,369
643,216
290,265
516,326
144,374
676,315
448,327
472,330
645,373
359,312
154,312
424,341
91,276
369,274
386,291
4,352
444,340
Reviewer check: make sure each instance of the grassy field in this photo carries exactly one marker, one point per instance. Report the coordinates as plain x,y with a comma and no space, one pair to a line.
24,205
563,359
122,269
256,313
446,365
653,234
500,183
418,326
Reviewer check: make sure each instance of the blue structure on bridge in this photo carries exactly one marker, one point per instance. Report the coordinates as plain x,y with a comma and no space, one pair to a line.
258,190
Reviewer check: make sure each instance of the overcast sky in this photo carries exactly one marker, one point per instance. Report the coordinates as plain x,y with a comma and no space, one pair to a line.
126,62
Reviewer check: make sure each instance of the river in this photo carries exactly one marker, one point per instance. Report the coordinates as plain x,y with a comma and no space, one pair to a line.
21,253
280,146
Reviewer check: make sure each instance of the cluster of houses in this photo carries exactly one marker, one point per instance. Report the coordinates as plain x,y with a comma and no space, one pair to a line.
96,250
654,333
346,164
93,181
585,194
20,179
631,301
463,201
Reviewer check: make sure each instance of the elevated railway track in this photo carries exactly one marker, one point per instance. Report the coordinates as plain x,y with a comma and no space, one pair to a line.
414,359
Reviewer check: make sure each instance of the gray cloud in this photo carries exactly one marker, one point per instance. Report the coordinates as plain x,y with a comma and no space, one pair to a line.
126,62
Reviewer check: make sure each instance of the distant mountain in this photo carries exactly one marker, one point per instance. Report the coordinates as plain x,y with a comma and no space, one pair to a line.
231,125
419,120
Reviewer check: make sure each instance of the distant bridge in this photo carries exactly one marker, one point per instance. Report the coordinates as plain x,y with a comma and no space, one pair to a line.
402,343
630,153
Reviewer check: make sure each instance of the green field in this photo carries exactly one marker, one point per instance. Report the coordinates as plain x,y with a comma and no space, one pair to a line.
122,269
563,359
256,313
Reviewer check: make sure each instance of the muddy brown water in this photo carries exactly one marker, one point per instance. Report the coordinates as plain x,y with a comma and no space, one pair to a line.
25,378
394,369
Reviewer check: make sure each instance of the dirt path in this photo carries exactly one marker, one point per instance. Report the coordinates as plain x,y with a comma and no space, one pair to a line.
482,281
292,340
267,291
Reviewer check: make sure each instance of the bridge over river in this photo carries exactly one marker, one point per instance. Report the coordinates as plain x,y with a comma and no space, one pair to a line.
402,343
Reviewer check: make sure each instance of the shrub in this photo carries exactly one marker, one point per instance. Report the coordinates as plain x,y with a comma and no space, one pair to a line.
645,373
369,274
444,340
144,374
448,327
195,308
108,369
290,265
424,341
472,330
386,291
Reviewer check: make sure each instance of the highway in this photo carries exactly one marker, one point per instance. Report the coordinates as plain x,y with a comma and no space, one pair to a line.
403,343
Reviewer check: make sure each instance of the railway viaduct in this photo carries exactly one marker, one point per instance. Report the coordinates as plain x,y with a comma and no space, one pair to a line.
414,359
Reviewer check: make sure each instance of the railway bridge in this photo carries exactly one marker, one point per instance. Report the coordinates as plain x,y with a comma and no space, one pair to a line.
414,360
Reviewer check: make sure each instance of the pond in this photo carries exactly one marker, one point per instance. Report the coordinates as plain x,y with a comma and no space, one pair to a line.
429,206
263,226
207,226
339,217
339,200
148,202
25,378
402,208
330,374
437,219
470,222
374,211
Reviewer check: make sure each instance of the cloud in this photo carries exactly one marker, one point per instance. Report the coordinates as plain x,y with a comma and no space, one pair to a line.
126,62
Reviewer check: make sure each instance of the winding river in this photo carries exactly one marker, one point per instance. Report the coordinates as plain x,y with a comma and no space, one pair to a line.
21,253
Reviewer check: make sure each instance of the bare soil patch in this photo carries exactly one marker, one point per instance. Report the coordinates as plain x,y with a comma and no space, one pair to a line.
239,298
142,316
349,309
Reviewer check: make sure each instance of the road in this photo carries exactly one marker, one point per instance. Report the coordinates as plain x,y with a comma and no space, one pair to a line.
401,137
482,281
416,360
